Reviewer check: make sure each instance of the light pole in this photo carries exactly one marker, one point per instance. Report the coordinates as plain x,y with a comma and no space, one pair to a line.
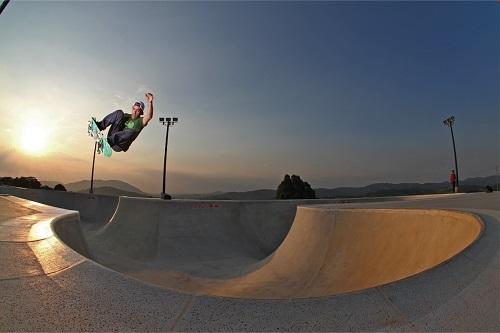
3,5
449,122
91,191
168,122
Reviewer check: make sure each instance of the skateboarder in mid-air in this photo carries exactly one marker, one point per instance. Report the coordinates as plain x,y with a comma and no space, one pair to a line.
125,127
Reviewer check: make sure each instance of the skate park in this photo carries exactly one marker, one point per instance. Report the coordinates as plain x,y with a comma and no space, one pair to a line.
355,97
101,263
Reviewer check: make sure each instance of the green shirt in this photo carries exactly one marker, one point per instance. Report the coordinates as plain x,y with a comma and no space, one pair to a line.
133,124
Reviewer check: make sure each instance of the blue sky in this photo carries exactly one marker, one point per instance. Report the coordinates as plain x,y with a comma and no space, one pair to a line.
341,93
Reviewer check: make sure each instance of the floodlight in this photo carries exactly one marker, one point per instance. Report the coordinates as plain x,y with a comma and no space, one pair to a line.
166,122
449,122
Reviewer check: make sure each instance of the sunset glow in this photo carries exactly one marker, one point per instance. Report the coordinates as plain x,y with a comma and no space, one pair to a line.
340,93
34,139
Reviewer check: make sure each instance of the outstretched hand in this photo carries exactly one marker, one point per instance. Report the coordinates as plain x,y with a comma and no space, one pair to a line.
149,97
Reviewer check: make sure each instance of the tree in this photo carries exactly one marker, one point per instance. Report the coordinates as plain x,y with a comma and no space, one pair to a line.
308,191
60,187
6,181
26,182
285,189
294,188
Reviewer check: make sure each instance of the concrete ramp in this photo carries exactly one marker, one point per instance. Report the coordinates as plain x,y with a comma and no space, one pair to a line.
204,239
253,250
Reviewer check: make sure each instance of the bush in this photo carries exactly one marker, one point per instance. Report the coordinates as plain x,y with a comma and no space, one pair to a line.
26,182
294,188
60,187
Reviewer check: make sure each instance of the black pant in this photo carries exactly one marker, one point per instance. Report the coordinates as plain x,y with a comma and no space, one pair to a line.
119,137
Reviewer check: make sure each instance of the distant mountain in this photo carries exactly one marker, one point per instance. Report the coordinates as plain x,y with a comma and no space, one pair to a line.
481,181
84,185
219,195
109,187
108,190
374,190
194,196
50,183
382,189
387,189
116,187
249,195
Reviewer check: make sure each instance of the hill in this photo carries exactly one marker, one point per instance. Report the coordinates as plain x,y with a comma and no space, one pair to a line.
84,185
116,187
50,183
249,195
476,184
108,190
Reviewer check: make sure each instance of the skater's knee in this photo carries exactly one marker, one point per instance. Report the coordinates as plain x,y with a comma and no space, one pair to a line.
117,119
118,113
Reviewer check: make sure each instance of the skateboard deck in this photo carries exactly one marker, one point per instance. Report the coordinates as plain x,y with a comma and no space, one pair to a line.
103,146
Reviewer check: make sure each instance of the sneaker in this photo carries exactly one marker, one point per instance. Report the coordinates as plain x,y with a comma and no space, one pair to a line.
106,148
100,145
97,124
94,130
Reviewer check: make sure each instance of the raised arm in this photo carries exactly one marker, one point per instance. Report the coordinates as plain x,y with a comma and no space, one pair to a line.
149,115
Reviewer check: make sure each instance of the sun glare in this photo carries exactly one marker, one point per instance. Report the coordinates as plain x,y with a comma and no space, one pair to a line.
34,139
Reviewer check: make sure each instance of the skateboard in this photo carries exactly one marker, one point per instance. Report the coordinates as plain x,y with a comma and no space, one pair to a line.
103,146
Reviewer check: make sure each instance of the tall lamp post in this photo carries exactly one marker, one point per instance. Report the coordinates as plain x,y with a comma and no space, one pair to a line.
91,191
166,122
449,122
3,5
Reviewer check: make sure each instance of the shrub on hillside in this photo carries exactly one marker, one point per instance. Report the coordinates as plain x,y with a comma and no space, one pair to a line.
60,187
26,182
294,188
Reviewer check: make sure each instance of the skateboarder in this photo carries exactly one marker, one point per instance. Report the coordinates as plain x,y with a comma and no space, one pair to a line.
125,127
453,180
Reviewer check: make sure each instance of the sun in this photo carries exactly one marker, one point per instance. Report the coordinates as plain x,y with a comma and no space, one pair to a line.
34,139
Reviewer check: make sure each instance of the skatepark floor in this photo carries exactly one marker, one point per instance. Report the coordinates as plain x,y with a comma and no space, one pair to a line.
45,285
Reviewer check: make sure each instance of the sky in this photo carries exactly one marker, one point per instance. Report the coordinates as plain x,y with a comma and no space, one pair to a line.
340,93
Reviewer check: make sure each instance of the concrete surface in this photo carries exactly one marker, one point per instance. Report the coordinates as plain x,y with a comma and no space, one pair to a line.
221,251
51,287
